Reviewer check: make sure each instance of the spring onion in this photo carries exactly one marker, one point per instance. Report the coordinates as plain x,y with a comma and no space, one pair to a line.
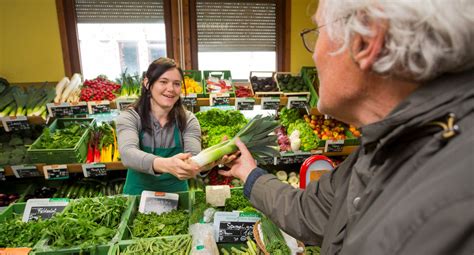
255,135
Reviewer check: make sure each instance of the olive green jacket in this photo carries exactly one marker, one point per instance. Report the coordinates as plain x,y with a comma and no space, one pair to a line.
408,189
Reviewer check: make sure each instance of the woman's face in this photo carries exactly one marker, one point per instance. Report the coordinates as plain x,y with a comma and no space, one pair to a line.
166,90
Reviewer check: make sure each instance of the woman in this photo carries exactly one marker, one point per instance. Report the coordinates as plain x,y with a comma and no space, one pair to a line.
157,136
403,72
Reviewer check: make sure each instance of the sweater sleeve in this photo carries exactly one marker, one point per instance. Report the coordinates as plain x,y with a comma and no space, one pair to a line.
192,134
129,143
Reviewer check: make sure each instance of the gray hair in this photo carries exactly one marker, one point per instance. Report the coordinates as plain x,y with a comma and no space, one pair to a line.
425,38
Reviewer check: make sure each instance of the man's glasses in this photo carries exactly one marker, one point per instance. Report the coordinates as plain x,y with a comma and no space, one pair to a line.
309,37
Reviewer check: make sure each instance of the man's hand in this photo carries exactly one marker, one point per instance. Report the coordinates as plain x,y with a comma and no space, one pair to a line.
242,166
177,165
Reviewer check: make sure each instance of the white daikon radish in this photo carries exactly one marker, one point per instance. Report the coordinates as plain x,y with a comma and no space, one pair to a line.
64,82
75,82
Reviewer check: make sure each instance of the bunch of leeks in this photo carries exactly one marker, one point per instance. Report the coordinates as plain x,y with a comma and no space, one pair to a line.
256,135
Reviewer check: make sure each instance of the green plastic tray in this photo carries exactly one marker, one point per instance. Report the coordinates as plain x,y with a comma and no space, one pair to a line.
184,203
42,246
225,74
62,156
197,76
8,213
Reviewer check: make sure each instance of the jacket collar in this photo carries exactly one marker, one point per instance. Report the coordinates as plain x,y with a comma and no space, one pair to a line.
432,100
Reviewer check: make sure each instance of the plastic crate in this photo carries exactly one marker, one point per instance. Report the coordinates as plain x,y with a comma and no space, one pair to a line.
221,74
43,248
349,141
184,203
294,93
11,210
62,156
197,76
262,75
122,245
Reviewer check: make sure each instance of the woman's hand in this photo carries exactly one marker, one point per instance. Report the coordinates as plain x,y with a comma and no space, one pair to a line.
177,165
242,166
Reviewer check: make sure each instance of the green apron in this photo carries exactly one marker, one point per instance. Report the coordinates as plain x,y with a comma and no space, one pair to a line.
137,181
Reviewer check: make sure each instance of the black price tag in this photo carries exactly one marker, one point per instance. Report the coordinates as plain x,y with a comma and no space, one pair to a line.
244,103
13,123
190,100
300,158
94,170
36,209
124,103
67,109
2,174
220,99
297,102
96,107
267,161
270,103
55,172
334,146
80,108
25,171
235,232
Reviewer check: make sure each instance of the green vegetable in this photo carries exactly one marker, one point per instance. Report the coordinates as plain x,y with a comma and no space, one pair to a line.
273,238
178,245
312,250
255,135
288,116
16,233
21,99
237,202
309,140
166,224
61,138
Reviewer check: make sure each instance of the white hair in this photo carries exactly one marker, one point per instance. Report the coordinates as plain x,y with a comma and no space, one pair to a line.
425,38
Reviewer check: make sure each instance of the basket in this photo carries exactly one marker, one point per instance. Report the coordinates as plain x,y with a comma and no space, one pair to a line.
260,244
292,93
77,154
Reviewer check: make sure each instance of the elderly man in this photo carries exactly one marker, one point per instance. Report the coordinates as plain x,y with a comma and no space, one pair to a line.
402,71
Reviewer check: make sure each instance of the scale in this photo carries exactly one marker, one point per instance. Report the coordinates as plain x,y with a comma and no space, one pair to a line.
313,167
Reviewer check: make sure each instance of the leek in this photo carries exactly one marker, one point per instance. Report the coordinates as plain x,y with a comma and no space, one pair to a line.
6,111
255,135
6,97
20,98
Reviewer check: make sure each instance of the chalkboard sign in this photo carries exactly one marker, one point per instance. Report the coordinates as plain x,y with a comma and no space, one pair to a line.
243,103
297,102
124,103
25,171
234,227
2,174
267,161
67,109
13,123
220,99
190,100
55,172
334,146
98,107
45,208
94,170
270,103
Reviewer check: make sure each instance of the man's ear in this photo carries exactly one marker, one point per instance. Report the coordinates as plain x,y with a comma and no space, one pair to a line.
365,49
145,83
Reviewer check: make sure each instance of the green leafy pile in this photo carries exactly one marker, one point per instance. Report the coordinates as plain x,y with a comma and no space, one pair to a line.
312,250
288,116
170,223
217,123
238,202
16,233
62,138
309,140
85,222
178,245
199,206
273,238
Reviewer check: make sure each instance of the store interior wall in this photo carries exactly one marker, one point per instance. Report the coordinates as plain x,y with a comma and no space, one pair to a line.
30,42
301,13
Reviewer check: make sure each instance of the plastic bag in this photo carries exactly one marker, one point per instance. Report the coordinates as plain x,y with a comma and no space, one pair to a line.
203,239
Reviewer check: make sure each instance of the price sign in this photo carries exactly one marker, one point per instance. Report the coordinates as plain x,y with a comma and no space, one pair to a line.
55,172
190,100
234,227
334,146
2,174
297,102
220,99
270,103
244,103
94,170
44,208
25,171
124,103
267,161
158,202
95,107
67,109
13,123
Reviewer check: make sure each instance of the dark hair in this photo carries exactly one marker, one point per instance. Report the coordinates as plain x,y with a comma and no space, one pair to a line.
143,105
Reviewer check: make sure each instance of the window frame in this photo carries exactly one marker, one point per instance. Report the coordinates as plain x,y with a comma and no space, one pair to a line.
174,11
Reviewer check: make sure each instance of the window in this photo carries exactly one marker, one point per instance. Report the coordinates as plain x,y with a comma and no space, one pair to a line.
114,35
240,36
